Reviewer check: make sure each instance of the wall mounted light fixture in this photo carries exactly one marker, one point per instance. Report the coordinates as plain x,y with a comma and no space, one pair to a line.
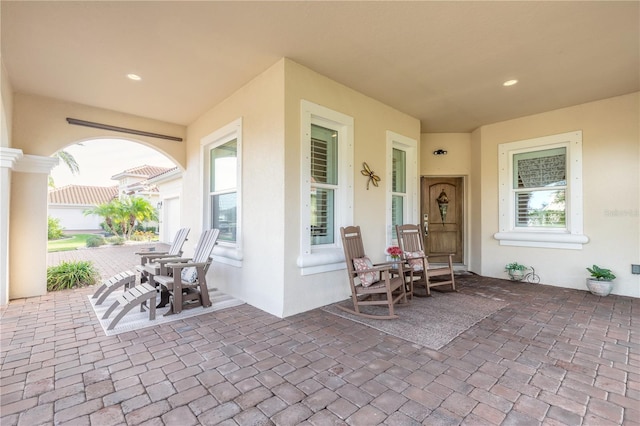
439,152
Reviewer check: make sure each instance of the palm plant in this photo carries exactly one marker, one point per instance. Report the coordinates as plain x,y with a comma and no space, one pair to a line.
137,209
109,212
69,160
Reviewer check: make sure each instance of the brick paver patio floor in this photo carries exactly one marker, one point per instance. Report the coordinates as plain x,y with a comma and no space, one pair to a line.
553,356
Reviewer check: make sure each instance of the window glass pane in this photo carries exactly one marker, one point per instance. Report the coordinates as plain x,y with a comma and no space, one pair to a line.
322,216
324,155
397,213
223,215
539,169
541,209
399,172
224,166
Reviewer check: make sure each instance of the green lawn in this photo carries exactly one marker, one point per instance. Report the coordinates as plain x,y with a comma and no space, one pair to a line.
72,243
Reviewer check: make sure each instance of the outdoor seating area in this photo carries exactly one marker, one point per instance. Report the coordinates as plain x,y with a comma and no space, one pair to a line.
550,356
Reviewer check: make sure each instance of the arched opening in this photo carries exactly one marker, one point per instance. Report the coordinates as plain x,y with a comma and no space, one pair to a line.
95,171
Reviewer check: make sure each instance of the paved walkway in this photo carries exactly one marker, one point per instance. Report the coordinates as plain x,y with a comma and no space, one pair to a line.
553,356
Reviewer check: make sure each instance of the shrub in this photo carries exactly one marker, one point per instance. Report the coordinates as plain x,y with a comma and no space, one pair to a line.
115,240
96,241
143,236
54,230
70,275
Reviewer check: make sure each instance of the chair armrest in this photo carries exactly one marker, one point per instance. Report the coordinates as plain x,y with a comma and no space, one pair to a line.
165,260
183,265
153,255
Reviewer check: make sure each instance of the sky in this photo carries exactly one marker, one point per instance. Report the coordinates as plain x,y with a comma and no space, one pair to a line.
103,158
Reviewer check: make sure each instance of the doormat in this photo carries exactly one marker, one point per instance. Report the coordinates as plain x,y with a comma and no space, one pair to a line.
428,321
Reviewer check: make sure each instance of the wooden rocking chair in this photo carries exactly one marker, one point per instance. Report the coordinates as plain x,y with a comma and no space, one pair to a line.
371,285
410,242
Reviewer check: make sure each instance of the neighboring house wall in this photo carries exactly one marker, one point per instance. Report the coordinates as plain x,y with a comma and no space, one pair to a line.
170,214
72,218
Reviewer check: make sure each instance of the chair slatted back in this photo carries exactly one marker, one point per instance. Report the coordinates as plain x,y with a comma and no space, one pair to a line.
178,242
352,245
205,245
409,237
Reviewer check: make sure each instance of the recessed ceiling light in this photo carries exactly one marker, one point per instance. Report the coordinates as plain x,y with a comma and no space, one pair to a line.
509,82
134,77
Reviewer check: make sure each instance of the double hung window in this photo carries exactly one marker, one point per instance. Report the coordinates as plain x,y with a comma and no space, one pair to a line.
402,176
540,202
222,160
326,189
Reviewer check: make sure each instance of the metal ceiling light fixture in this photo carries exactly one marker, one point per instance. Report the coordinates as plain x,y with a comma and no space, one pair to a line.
440,152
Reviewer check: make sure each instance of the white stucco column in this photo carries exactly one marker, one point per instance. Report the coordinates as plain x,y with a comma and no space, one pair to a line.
28,226
8,158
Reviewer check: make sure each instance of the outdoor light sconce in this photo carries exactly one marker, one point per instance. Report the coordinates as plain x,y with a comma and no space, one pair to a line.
159,205
439,152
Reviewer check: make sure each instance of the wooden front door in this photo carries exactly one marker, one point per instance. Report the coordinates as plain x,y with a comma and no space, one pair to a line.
442,216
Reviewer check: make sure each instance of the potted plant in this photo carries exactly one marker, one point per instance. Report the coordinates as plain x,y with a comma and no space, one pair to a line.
515,270
601,281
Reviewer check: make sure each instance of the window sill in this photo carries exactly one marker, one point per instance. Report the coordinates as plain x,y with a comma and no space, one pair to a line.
542,240
228,255
321,261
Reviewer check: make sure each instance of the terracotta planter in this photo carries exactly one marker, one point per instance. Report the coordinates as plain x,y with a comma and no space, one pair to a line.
599,287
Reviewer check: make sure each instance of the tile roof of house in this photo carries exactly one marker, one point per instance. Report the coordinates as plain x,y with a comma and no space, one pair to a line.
83,195
143,171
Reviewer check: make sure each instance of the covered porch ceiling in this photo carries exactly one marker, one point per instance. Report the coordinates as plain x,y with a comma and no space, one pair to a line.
441,62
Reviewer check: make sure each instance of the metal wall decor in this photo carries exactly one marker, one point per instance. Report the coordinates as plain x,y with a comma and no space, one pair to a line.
443,204
366,171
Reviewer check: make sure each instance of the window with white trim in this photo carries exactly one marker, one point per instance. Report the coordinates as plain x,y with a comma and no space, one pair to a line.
222,159
540,192
326,189
401,183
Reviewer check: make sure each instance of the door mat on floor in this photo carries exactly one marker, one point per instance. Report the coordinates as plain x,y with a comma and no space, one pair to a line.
428,321
135,320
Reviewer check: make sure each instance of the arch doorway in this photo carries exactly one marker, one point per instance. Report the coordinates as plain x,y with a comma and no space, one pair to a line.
113,168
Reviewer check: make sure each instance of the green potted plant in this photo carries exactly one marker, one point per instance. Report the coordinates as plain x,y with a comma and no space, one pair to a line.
515,270
600,283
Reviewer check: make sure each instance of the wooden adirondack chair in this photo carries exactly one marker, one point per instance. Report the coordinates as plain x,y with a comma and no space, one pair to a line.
147,258
410,242
187,286
370,284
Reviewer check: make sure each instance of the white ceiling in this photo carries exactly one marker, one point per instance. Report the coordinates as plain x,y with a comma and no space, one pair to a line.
441,62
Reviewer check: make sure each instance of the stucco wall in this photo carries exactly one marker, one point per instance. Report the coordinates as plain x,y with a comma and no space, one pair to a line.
260,104
372,120
270,109
611,191
40,127
72,218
